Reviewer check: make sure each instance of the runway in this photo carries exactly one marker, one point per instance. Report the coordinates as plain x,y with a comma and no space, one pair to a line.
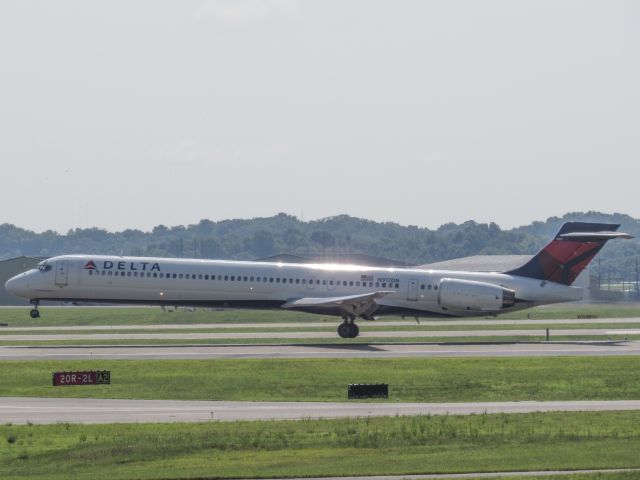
577,332
329,324
20,410
305,335
389,350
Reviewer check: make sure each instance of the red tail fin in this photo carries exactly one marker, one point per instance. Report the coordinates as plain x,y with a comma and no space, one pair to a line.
575,245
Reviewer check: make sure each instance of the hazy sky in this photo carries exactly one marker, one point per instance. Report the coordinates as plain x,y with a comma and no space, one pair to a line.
129,114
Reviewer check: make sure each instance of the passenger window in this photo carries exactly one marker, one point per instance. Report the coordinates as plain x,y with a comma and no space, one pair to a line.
155,275
397,285
384,284
350,283
258,279
110,273
270,279
330,282
435,287
291,280
251,279
181,275
357,284
297,281
278,280
422,287
429,287
377,284
324,282
245,279
304,281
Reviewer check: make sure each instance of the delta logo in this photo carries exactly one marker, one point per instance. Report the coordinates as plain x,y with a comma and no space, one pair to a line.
133,266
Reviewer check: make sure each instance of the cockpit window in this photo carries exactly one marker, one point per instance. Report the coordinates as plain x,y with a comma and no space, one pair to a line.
44,267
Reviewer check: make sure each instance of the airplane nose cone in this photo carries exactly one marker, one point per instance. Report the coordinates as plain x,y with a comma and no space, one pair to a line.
17,286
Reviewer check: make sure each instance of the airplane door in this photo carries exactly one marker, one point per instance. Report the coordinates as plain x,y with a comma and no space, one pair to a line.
332,284
62,272
412,293
311,283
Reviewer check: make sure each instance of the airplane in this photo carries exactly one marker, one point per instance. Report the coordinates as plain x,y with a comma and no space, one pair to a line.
347,291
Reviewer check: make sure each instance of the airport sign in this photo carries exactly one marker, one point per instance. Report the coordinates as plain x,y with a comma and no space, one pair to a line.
100,377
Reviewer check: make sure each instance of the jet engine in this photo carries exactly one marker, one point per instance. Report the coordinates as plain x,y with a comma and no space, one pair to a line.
457,294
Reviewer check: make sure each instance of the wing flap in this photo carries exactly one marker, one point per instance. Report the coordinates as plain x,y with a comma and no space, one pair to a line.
357,305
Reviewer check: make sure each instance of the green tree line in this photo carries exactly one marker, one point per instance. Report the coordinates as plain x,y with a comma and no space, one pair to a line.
246,239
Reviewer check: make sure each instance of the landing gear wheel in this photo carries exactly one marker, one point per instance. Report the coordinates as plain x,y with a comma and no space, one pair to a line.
35,313
344,330
348,329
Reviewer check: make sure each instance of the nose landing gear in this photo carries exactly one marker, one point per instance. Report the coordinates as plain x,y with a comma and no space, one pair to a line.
348,328
35,313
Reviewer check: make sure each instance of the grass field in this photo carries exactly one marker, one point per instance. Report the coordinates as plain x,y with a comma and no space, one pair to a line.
324,447
145,316
400,445
410,379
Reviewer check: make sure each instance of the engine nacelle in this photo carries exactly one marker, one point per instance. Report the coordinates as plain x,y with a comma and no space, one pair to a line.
475,296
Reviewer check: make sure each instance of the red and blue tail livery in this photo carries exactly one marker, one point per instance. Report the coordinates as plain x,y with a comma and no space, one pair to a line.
573,247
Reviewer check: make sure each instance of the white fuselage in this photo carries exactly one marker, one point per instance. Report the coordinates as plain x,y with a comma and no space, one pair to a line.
167,281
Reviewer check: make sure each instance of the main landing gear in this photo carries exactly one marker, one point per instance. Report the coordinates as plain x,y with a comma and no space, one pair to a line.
35,313
348,328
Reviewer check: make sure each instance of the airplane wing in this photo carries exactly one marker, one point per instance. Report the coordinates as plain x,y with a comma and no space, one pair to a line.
357,305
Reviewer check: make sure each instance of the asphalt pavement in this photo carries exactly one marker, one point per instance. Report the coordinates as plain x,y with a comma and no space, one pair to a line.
319,350
488,322
20,410
576,332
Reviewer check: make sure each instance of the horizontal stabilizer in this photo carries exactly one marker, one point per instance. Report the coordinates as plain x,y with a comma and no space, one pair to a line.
594,236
